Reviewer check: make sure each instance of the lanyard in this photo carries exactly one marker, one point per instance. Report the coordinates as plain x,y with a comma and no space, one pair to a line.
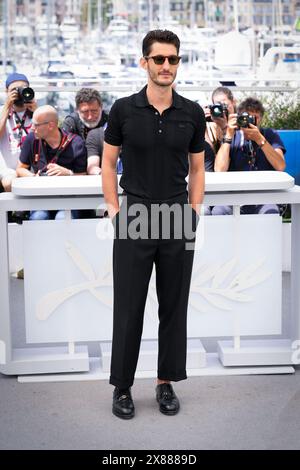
252,157
65,140
249,151
85,132
20,124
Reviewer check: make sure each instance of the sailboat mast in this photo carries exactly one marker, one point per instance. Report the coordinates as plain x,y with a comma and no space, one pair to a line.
99,16
236,15
150,14
5,35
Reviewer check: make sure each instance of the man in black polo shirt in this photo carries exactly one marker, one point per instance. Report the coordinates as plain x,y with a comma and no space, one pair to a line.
162,139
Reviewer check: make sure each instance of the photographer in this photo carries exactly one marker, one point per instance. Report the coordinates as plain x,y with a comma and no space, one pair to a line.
247,147
89,122
216,115
89,113
49,151
15,124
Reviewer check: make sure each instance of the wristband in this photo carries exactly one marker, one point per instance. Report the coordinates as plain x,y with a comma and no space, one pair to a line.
226,140
263,142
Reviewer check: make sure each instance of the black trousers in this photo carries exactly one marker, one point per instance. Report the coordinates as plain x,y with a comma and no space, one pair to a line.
133,261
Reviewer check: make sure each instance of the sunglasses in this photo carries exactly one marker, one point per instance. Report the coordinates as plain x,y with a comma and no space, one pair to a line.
160,59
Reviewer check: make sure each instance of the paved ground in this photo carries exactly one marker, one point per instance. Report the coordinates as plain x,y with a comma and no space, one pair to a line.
244,412
249,412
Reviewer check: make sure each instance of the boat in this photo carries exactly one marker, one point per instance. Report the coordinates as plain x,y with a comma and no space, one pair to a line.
118,28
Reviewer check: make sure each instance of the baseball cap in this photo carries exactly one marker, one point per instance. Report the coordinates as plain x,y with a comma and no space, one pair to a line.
15,77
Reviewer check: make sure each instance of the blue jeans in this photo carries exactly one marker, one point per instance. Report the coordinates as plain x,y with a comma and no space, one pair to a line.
260,209
47,215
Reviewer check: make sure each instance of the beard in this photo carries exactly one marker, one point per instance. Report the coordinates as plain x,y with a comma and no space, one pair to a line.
155,77
90,124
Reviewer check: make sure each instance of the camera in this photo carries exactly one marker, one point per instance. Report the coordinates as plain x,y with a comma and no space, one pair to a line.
43,171
218,110
244,119
25,95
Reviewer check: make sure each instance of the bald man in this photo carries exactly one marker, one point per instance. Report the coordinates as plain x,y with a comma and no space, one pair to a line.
50,151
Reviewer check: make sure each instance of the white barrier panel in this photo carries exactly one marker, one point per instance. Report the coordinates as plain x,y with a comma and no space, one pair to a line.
15,247
68,281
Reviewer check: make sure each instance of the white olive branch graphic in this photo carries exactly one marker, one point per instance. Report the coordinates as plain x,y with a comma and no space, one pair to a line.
216,274
49,302
246,273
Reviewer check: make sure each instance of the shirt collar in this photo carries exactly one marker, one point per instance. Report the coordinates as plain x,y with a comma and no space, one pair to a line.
141,100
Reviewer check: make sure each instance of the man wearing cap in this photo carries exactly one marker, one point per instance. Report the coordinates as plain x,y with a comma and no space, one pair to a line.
15,124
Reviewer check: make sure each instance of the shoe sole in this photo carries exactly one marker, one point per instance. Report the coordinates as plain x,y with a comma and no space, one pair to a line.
169,413
119,415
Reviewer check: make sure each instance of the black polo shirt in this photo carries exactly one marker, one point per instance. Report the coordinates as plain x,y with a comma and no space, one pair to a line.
155,147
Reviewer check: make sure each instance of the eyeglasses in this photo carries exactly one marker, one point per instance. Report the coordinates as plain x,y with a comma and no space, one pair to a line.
160,59
38,124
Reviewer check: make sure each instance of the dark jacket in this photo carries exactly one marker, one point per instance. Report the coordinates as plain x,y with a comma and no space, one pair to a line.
72,123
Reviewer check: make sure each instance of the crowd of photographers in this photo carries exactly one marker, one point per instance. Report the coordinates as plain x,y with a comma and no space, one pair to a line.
33,143
236,142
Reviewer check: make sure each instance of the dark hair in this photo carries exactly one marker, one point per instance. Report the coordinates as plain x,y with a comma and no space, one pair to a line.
86,95
159,35
222,89
251,104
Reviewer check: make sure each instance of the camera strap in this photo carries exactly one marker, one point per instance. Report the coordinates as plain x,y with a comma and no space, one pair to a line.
20,125
37,149
21,122
85,131
252,153
251,156
249,151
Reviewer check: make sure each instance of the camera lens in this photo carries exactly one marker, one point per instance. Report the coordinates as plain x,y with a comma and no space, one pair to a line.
243,120
27,94
216,110
252,120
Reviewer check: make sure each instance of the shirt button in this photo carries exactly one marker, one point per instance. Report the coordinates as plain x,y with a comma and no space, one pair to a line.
160,131
156,114
160,122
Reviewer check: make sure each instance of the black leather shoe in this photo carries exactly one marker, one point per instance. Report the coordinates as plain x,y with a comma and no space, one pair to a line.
167,400
123,406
